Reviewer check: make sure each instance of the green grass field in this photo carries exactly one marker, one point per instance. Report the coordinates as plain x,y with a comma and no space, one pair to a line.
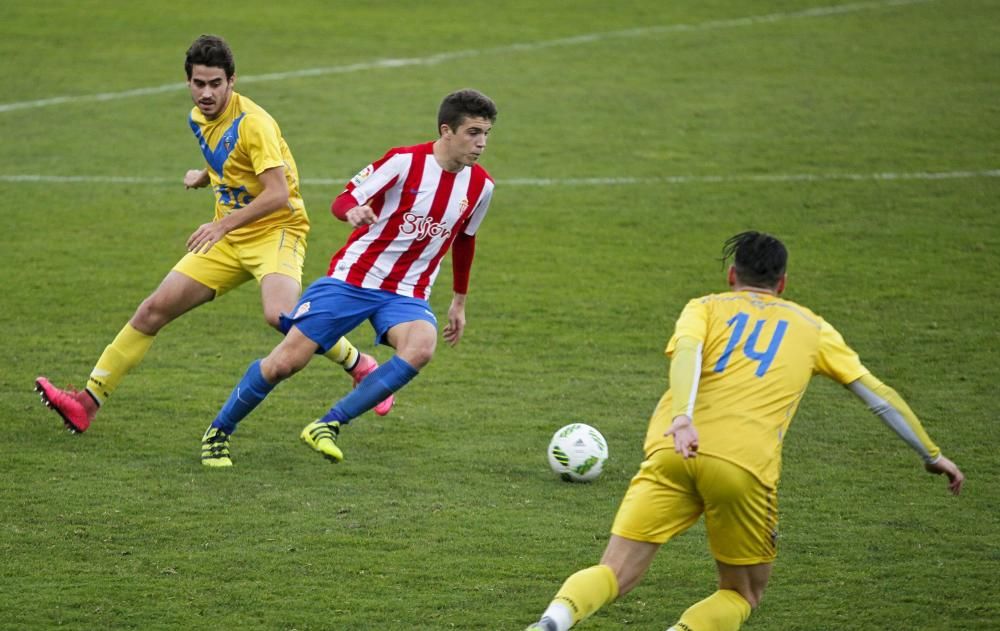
633,138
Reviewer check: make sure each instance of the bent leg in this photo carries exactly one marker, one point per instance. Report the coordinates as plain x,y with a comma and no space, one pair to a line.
414,342
278,295
622,566
287,358
741,588
749,581
176,295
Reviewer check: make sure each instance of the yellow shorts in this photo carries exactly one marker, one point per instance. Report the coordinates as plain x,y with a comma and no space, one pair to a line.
669,493
228,265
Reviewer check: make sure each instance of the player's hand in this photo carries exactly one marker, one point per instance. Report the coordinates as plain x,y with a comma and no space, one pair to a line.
207,235
456,320
196,178
361,216
950,469
685,436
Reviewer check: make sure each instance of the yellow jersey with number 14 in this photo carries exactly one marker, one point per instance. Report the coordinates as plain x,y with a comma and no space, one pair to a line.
758,353
239,144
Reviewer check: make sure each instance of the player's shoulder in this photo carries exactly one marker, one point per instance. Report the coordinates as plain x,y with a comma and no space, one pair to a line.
479,171
423,148
251,112
739,300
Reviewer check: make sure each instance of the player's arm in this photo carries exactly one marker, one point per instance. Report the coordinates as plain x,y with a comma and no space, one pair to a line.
463,250
274,196
196,178
886,403
346,208
685,371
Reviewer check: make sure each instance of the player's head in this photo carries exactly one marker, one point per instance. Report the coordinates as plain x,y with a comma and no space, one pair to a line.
211,73
212,51
464,121
458,106
759,260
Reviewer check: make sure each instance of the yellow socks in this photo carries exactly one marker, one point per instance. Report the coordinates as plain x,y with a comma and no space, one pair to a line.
581,595
119,357
725,610
344,353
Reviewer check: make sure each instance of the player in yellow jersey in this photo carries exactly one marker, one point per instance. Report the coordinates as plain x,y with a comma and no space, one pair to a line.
740,363
259,232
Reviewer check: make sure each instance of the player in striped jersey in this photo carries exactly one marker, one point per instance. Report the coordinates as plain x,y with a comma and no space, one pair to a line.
407,209
259,232
740,363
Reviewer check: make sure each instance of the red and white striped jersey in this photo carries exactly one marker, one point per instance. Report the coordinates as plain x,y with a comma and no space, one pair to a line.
420,208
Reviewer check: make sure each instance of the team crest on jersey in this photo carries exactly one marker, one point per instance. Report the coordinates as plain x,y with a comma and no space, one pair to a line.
227,140
362,176
302,310
462,205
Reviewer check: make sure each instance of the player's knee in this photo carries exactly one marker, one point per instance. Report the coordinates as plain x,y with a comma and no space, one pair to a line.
417,352
752,595
150,316
273,319
279,367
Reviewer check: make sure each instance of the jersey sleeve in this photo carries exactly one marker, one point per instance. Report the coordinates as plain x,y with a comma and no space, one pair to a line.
262,143
376,177
477,216
835,359
693,322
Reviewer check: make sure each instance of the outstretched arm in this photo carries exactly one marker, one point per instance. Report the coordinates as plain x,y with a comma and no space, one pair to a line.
886,403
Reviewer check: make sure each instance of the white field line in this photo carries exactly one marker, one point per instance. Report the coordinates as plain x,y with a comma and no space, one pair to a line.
761,178
438,58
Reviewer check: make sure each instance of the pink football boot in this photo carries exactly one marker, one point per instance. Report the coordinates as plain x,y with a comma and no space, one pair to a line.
76,407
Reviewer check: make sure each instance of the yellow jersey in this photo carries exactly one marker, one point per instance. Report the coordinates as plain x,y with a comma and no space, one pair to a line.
758,353
239,144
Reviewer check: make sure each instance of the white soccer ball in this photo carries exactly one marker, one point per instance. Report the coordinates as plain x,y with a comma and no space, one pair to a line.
577,453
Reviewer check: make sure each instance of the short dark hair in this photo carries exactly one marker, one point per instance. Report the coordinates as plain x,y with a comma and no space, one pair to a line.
465,103
760,259
213,51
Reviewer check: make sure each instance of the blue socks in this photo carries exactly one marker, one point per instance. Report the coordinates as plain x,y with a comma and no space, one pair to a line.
249,392
387,378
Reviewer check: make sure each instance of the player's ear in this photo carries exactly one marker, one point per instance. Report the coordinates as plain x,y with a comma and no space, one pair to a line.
442,128
781,284
731,276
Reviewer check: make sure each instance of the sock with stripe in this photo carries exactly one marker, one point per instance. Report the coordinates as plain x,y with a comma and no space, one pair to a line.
249,392
580,597
344,353
119,357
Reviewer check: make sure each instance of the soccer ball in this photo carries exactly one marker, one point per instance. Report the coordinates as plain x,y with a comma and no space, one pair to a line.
577,453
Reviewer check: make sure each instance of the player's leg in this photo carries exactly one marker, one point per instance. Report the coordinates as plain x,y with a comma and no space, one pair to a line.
291,355
660,503
414,342
408,325
276,260
176,295
582,594
740,589
741,521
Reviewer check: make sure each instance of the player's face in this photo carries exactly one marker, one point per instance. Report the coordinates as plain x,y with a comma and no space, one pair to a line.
465,144
210,89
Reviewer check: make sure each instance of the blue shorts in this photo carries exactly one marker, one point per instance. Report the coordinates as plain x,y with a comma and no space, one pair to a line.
331,308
